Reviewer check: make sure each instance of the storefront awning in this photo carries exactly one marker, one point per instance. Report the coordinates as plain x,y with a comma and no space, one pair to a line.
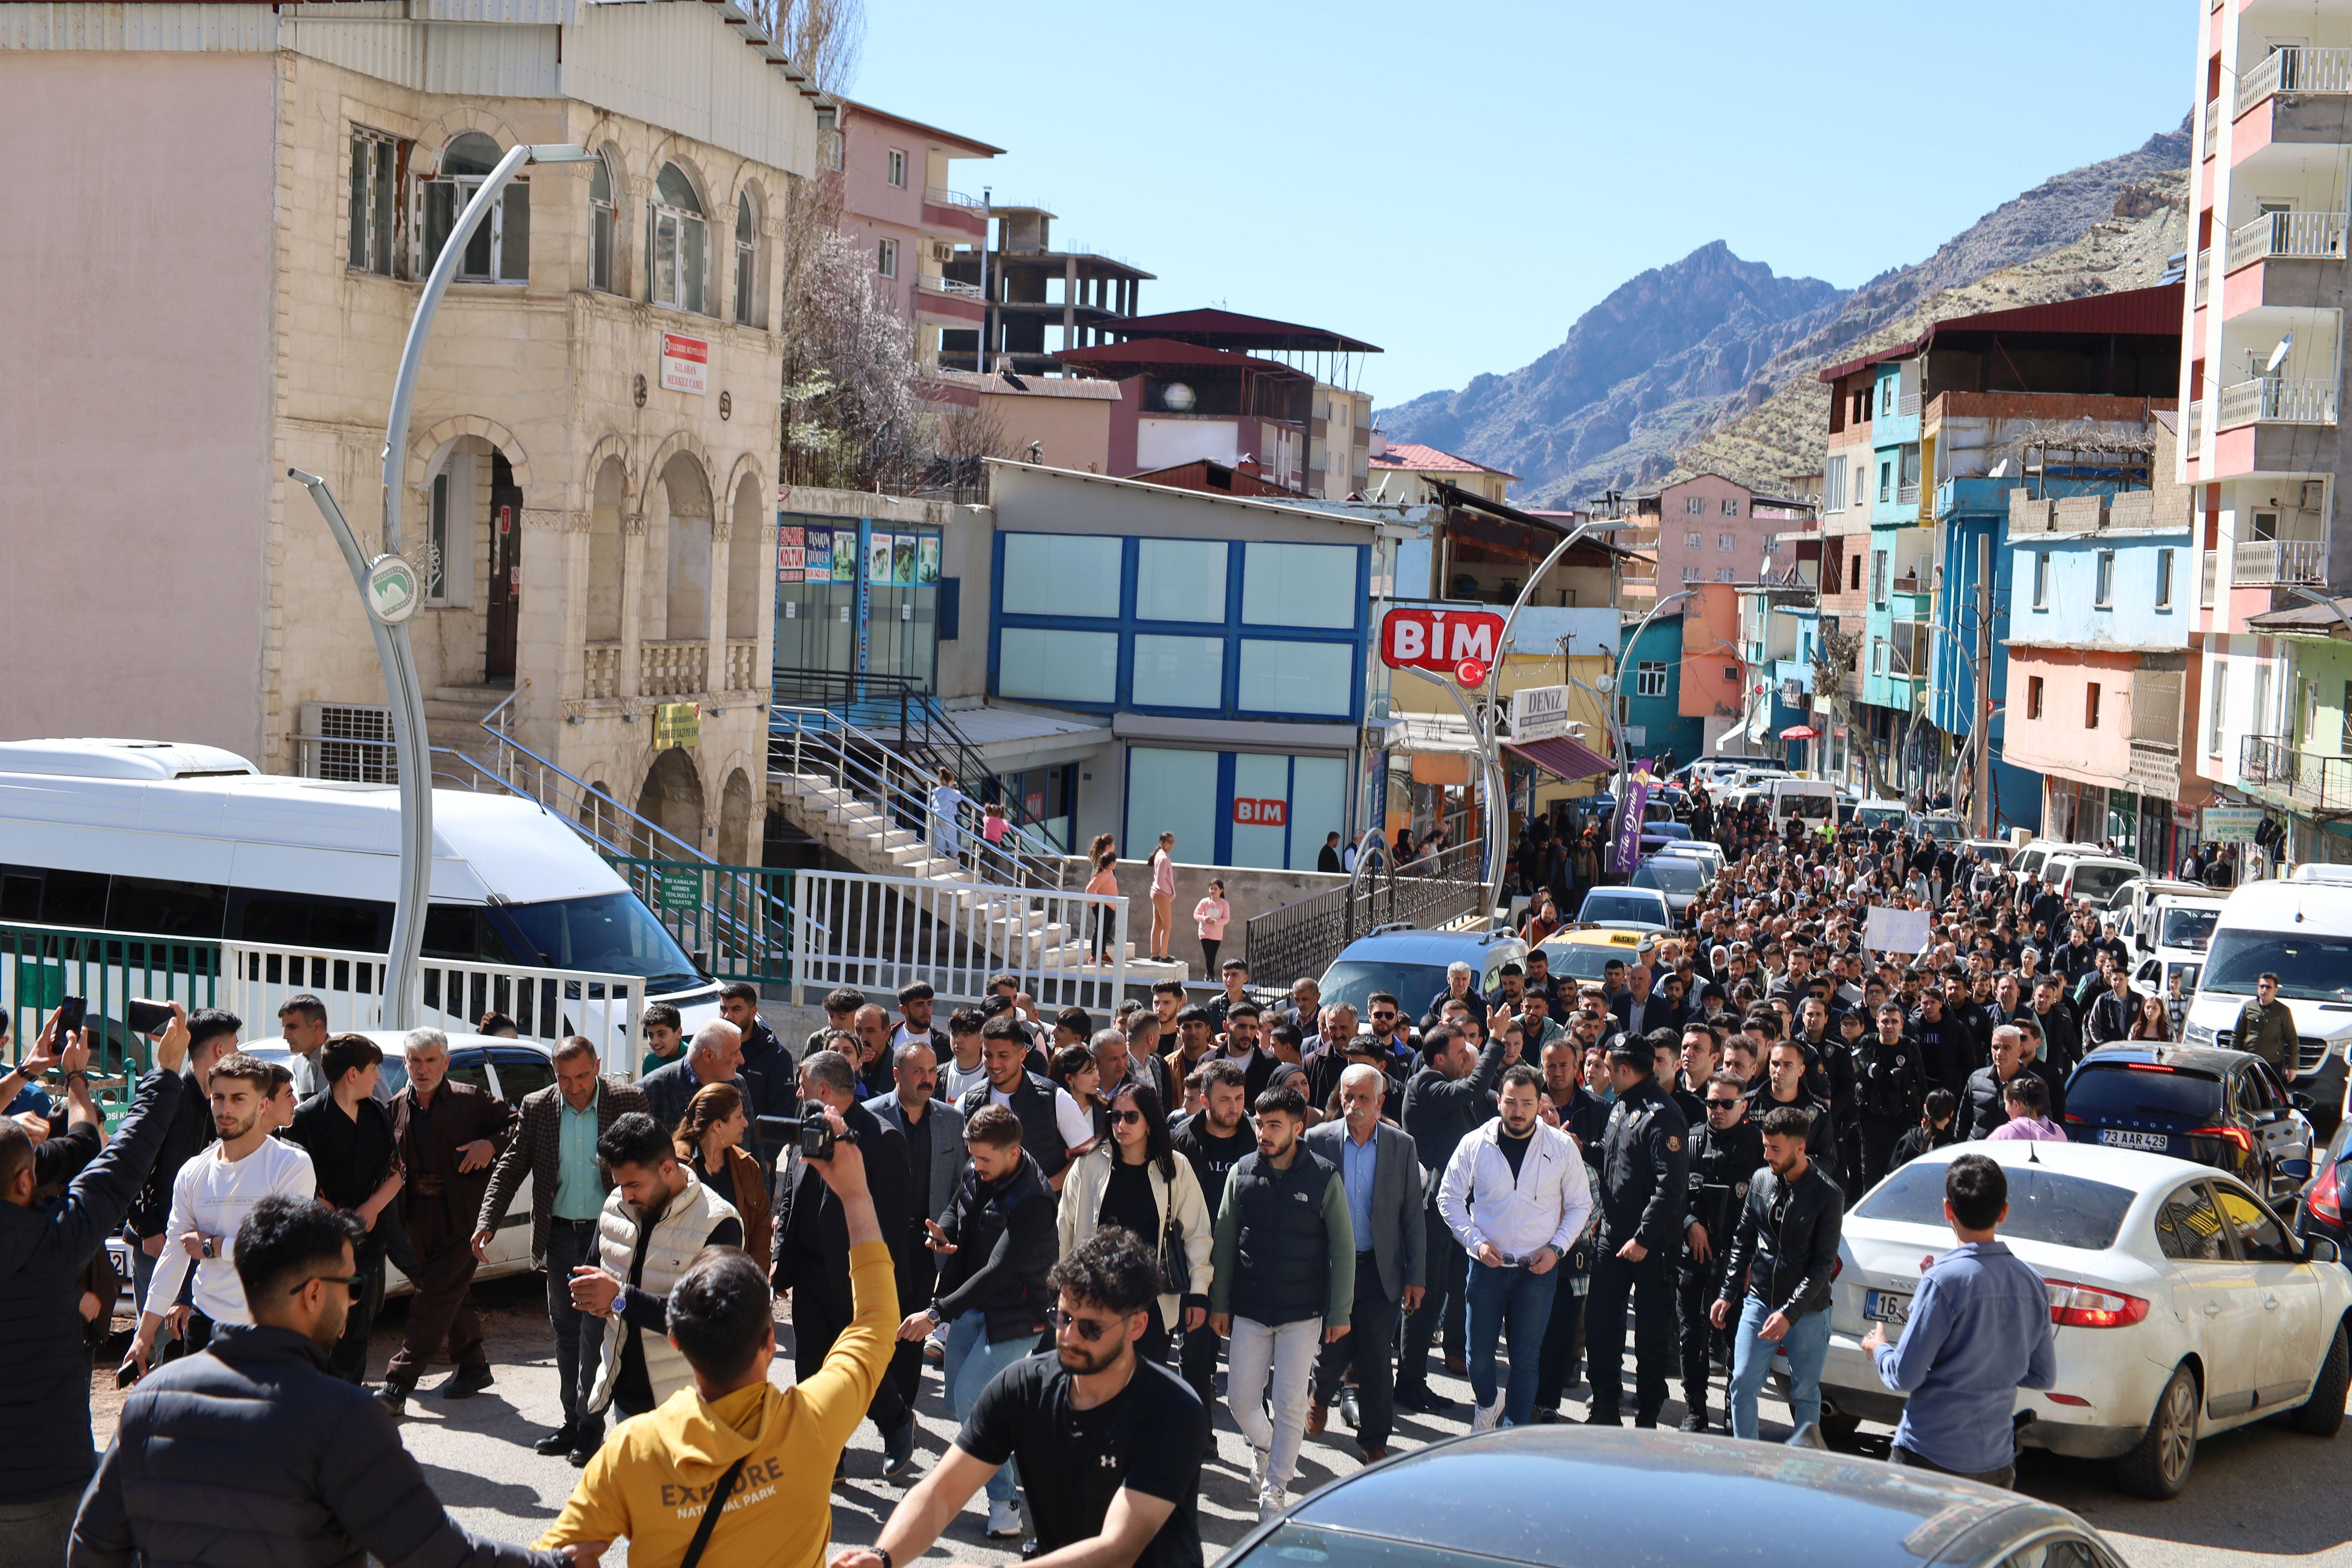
1564,757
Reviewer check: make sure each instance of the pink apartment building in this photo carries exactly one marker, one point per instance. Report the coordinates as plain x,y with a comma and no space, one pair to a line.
899,201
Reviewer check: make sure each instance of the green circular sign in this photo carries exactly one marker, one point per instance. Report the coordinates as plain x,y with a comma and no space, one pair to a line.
392,591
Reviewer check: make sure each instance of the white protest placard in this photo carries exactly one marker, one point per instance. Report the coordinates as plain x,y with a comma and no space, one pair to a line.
1896,931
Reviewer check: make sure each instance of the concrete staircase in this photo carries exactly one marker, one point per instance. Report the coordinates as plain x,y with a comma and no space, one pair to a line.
860,833
454,715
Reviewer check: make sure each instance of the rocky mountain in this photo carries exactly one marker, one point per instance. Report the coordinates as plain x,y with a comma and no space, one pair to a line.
1708,362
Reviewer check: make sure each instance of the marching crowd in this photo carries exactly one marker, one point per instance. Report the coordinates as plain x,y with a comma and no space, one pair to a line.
1321,1200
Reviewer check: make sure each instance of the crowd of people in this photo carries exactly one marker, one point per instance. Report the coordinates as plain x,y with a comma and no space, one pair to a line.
1333,1205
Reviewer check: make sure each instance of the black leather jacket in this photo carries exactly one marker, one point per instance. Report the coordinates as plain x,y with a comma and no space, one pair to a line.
1787,1243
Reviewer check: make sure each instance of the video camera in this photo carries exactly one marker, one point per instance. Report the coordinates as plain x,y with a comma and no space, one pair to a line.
810,1130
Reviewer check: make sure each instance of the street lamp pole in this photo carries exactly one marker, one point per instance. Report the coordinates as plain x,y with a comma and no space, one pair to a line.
401,990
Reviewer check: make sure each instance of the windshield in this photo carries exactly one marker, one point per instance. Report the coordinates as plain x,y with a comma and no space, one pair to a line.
1942,827
1811,807
2310,968
2099,881
1608,904
2186,928
1586,960
1670,874
1879,815
2064,1211
612,933
1353,980
2125,1093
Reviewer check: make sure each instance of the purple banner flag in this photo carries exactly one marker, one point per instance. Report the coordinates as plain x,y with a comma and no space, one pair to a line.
1626,852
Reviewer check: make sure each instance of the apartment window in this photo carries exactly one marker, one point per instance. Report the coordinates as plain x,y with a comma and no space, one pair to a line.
2104,597
1731,506
2218,708
602,224
1887,395
2306,730
2164,579
1878,578
1695,506
2343,743
2091,706
2033,697
2041,579
1878,655
1854,584
1833,485
1692,540
747,262
1725,544
1723,575
678,243
1650,677
886,260
2259,721
828,151
898,168
1886,481
499,250
1690,575
379,215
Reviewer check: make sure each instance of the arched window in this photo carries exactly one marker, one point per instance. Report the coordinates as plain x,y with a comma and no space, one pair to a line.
747,263
678,243
499,250
601,225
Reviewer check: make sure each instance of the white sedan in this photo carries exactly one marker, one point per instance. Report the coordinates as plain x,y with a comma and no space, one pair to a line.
2183,1306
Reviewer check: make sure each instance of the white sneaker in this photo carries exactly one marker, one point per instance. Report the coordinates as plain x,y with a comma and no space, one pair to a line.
1004,1519
1271,1501
1484,1417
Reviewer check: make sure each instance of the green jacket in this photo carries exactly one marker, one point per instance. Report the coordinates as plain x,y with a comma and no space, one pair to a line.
2269,1032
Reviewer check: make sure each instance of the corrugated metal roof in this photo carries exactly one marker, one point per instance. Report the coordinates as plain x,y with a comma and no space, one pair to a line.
2130,312
1231,329
1145,352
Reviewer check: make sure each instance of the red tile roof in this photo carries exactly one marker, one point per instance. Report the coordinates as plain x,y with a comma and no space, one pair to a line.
1431,460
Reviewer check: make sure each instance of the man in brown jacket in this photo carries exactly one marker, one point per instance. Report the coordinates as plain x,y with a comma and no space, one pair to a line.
447,1135
555,1146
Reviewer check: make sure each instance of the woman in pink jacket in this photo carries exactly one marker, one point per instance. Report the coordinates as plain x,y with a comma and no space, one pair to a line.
1211,915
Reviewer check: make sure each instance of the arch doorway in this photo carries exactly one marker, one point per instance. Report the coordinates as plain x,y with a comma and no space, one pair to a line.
672,800
735,820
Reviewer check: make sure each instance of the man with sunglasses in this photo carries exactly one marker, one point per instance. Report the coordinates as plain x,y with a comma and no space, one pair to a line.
319,1474
1726,1150
1107,1444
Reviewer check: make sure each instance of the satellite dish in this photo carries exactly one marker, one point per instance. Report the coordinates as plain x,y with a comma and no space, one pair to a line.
1605,684
2278,354
1178,399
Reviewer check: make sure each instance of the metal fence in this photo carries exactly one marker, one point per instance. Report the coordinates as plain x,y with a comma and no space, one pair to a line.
877,934
1303,937
735,921
41,965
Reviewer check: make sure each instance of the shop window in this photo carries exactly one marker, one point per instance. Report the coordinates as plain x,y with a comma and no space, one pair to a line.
1178,672
1298,678
1049,666
1299,585
1179,579
1060,575
1172,791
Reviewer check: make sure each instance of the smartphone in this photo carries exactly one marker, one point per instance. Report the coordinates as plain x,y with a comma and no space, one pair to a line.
144,1018
71,1010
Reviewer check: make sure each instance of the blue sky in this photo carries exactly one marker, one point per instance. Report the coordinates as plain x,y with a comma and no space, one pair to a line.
1458,183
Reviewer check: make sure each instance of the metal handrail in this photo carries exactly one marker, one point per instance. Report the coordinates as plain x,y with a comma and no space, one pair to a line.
1303,937
585,806
818,742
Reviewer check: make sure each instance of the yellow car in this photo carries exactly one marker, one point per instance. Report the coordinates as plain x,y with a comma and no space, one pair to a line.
1583,954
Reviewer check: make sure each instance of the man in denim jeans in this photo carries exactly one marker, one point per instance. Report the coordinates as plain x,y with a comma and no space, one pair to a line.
1516,1196
1778,1278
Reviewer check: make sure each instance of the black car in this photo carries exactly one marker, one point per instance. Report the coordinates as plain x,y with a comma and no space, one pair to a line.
1587,1497
2320,1214
2219,1108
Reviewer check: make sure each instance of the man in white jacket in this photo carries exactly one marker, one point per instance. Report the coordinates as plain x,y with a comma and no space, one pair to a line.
1514,1195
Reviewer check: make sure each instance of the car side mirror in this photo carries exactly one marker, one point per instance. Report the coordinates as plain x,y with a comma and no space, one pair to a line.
2301,1101
2295,1170
2320,1249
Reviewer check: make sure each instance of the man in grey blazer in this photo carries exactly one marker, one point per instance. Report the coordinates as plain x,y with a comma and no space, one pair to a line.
1380,1171
935,1160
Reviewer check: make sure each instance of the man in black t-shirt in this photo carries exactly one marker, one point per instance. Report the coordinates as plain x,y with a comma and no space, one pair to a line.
1094,1423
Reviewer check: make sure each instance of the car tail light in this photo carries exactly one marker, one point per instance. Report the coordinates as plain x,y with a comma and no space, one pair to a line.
2074,1306
2327,1195
2149,1067
2238,1135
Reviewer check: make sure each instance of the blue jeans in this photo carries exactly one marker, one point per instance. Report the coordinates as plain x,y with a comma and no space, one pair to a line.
971,1364
1516,1302
1808,1344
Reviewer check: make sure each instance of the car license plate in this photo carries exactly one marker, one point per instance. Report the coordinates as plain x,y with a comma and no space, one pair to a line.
1885,1306
2155,1142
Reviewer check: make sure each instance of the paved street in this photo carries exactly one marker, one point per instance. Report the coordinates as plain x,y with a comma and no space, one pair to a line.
2257,1495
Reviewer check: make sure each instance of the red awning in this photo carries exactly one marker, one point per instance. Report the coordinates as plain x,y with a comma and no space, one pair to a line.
1800,732
1564,757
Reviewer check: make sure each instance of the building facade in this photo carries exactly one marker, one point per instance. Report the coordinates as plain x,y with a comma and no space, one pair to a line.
896,189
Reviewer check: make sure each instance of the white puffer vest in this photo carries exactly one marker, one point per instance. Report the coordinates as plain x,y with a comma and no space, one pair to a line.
678,1235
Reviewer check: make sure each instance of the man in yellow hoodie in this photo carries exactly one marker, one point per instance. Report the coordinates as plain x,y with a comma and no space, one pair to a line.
654,1478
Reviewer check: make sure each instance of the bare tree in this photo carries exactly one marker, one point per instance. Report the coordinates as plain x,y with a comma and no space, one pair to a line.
1837,656
823,37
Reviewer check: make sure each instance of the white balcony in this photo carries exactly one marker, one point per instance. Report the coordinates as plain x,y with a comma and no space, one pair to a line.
2204,271
2271,562
1908,495
940,195
2276,400
2297,69
2213,125
2195,437
934,283
2296,235
1906,406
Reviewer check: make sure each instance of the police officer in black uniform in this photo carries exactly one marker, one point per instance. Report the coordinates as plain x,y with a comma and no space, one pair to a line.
1724,1155
1644,1190
1892,1086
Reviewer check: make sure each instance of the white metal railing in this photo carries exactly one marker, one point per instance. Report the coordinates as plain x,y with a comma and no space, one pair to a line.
937,284
2277,400
2204,271
940,195
877,933
2196,423
2210,580
673,669
2289,235
2213,126
2295,69
1908,495
2261,563
600,669
1906,405
548,1006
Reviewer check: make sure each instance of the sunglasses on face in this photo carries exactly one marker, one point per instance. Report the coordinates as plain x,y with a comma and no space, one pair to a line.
1383,1017
1121,1118
1089,1329
354,1283
1714,1106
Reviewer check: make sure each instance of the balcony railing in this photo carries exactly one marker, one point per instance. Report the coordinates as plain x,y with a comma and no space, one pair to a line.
2204,270
2265,562
743,665
2277,400
1908,495
604,670
1907,405
940,195
2300,236
2196,423
2314,779
2298,69
677,668
937,284
2210,580
2213,126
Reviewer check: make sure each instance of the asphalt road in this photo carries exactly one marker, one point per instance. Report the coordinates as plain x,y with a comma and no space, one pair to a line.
2257,1495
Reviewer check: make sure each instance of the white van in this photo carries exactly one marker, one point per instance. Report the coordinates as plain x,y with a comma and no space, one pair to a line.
2300,928
2028,862
1812,801
1892,815
162,839
2090,879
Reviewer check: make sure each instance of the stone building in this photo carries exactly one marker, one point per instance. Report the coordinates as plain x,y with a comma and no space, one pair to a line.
239,203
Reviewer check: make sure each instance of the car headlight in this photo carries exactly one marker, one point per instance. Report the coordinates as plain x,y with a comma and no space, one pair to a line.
2196,1035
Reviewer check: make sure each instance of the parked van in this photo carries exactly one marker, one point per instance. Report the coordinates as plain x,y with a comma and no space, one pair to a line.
2134,907
2300,928
2029,861
2090,879
1892,815
1810,801
169,840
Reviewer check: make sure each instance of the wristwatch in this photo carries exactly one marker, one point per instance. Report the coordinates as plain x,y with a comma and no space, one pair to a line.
878,1551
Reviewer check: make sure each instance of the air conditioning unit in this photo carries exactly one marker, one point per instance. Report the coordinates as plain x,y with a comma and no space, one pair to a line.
346,742
2314,495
